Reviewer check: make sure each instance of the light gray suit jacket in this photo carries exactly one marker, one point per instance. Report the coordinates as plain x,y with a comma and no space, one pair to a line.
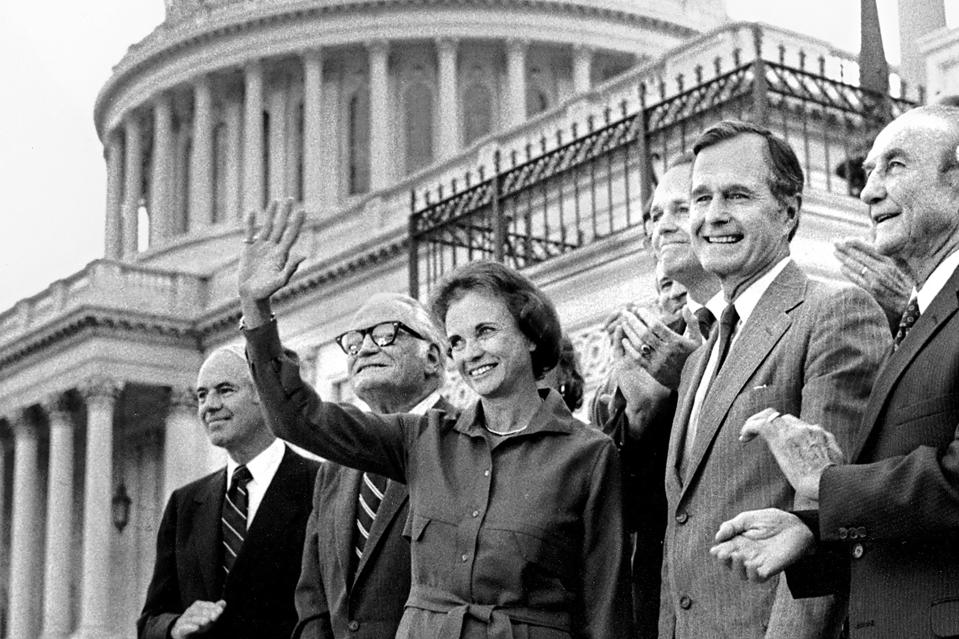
808,349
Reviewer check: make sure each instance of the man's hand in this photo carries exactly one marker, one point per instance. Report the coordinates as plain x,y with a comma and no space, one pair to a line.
197,619
644,395
879,275
803,451
658,349
266,265
759,544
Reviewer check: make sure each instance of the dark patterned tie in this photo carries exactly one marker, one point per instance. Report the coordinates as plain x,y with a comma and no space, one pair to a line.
233,519
706,320
907,321
727,326
371,495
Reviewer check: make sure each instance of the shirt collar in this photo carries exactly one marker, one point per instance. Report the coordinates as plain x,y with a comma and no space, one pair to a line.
426,403
936,280
552,415
263,466
749,298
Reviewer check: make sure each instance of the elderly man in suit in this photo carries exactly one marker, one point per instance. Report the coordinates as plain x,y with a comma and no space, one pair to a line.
229,544
783,341
886,526
356,564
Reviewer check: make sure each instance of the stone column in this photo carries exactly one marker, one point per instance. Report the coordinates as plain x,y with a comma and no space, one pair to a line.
161,204
201,165
515,82
582,68
234,167
95,606
133,185
449,109
277,148
253,138
113,231
25,543
380,156
184,442
59,542
313,143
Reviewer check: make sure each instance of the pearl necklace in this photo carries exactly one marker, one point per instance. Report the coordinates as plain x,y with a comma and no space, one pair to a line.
505,433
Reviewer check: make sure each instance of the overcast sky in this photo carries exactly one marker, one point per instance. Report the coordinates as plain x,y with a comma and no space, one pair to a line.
55,56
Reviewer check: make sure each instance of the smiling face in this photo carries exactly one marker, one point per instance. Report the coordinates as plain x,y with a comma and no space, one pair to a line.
669,213
228,406
913,191
739,229
490,352
670,294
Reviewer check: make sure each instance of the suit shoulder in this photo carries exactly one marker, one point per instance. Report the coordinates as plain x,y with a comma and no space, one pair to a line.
827,295
190,489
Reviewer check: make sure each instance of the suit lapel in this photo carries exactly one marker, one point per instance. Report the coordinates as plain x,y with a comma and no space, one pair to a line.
757,339
205,540
393,500
276,510
690,379
942,308
345,519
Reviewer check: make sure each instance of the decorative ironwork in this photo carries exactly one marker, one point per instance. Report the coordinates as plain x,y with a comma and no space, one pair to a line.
555,200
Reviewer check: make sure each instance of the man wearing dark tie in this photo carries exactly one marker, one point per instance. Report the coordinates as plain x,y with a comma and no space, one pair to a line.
229,543
884,529
783,340
355,576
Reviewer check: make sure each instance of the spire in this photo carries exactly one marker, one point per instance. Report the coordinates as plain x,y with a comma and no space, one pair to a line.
873,68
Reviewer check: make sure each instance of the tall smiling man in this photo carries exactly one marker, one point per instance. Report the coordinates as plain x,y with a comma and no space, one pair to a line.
886,527
229,544
784,341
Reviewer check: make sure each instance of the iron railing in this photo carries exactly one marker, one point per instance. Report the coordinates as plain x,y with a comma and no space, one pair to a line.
574,189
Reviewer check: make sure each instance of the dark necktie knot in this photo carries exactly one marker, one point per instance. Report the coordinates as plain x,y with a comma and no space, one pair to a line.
706,320
241,477
907,321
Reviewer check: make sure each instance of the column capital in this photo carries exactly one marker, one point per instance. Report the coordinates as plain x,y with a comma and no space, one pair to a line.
22,425
100,389
57,409
183,399
517,45
447,44
379,46
252,65
312,54
583,49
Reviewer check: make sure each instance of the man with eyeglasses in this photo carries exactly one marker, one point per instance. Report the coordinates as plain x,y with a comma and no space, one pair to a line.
356,566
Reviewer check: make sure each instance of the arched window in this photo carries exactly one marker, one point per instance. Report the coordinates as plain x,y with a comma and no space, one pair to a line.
358,142
477,113
419,127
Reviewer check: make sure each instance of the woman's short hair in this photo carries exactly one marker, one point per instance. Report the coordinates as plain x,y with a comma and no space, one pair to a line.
532,310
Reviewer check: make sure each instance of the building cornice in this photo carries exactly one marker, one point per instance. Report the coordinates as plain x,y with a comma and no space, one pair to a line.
206,26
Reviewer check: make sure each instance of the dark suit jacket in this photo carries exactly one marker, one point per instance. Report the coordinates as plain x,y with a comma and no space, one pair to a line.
369,606
807,349
894,512
259,591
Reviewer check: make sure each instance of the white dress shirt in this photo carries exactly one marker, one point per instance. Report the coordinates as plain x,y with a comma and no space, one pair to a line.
263,467
936,280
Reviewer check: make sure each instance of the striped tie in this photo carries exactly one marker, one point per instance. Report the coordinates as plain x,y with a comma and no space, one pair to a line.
371,494
233,519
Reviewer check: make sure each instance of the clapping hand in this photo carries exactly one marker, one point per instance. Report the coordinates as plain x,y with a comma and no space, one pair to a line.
759,544
661,351
803,451
879,275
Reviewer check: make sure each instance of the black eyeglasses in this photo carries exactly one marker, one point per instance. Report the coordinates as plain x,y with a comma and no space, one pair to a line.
383,334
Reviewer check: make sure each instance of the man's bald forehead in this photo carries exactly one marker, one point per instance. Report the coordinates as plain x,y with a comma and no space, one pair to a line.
231,357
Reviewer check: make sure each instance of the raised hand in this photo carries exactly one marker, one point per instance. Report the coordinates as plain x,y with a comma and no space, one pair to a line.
759,544
265,261
803,451
198,618
879,275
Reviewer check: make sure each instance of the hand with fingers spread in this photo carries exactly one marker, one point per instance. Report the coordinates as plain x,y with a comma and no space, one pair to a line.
877,274
759,544
266,264
197,619
803,451
658,349
644,395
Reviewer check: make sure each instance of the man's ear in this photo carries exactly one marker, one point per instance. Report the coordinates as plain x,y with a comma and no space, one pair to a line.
433,359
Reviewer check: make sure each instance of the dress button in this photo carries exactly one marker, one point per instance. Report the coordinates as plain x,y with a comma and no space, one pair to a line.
354,625
857,551
843,533
682,518
476,513
486,473
862,532
464,556
685,602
